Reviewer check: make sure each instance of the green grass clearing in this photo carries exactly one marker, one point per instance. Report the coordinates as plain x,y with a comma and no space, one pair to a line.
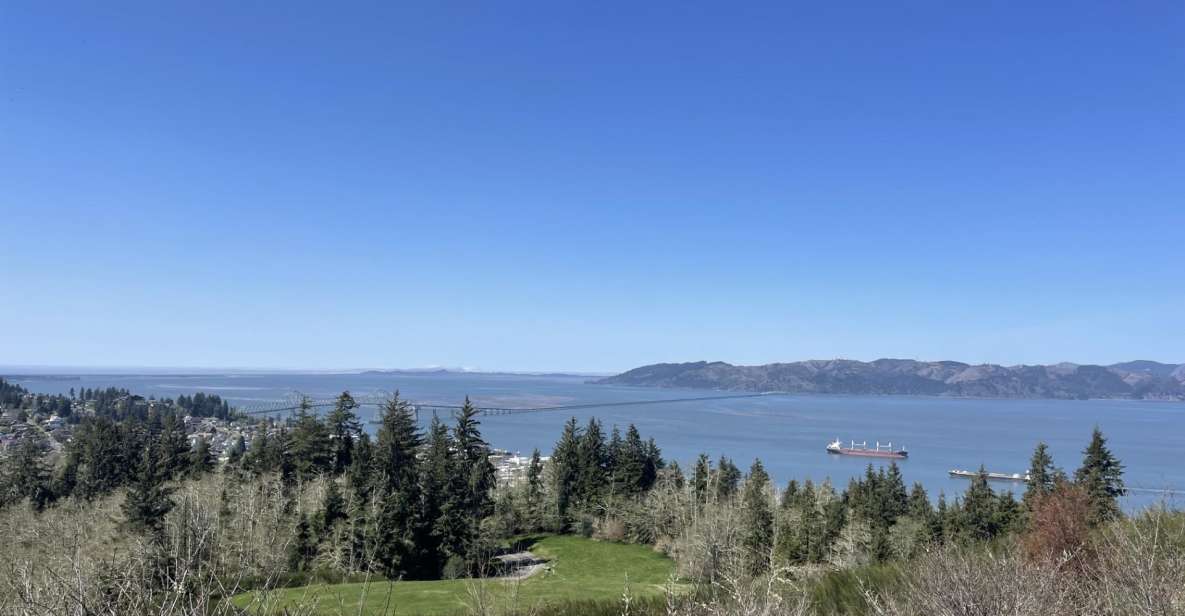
581,570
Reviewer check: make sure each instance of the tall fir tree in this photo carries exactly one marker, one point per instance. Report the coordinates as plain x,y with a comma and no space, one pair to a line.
1101,476
701,477
757,520
27,477
979,520
333,510
535,493
565,463
303,547
1041,475
728,479
174,447
344,429
396,477
469,493
307,447
592,478
436,474
631,473
147,500
201,460
475,461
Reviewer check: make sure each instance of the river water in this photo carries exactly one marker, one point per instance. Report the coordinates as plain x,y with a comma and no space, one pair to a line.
787,432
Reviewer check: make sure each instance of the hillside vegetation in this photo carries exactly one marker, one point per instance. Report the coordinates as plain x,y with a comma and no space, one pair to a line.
316,517
1136,380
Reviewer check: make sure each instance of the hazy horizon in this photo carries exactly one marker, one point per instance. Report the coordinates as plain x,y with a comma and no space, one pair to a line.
67,370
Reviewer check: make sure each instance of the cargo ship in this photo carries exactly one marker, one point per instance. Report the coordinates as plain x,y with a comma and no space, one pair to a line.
862,449
958,472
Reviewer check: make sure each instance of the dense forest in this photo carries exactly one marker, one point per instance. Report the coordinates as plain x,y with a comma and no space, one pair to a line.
317,498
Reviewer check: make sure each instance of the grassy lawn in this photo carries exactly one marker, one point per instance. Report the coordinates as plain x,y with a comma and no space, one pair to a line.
581,570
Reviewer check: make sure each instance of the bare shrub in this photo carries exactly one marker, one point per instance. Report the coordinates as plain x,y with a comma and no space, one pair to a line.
961,582
609,529
1059,529
1141,566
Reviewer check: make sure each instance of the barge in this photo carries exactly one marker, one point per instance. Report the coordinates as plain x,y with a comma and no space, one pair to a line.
958,472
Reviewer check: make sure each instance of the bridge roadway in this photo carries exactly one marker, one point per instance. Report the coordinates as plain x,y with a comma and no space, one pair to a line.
486,411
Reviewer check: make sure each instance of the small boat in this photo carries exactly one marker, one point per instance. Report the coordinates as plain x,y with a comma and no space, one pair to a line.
957,472
863,450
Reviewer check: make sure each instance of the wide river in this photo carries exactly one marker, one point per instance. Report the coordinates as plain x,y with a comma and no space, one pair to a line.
787,432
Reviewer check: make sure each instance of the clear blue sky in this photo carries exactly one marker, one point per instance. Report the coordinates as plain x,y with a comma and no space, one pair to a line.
590,186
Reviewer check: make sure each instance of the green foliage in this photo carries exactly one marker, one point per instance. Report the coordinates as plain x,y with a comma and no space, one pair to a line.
396,484
702,477
1101,475
303,548
147,500
728,479
25,475
201,461
307,449
344,428
757,520
1042,475
565,461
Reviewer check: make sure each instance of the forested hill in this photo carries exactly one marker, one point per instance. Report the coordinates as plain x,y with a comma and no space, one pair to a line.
1145,380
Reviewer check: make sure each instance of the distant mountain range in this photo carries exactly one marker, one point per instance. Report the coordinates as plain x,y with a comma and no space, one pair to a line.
1142,380
440,371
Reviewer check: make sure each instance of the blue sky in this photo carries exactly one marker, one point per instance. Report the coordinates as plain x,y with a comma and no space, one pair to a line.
590,186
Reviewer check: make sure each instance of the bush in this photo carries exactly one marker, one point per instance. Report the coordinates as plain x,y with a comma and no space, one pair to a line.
1059,529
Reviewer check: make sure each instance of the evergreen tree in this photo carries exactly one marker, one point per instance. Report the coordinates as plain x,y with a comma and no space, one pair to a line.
757,522
303,549
790,494
469,492
333,509
893,497
234,453
475,462
397,486
1101,475
27,477
565,463
728,478
201,461
1042,473
361,472
307,447
344,429
834,520
147,501
103,461
979,520
632,472
701,477
614,460
437,473
674,473
919,507
592,478
653,464
174,447
534,493
360,480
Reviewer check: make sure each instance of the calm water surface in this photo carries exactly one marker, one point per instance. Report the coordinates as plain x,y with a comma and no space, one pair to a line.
788,433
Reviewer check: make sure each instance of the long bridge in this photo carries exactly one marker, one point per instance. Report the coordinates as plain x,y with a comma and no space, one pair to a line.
296,401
